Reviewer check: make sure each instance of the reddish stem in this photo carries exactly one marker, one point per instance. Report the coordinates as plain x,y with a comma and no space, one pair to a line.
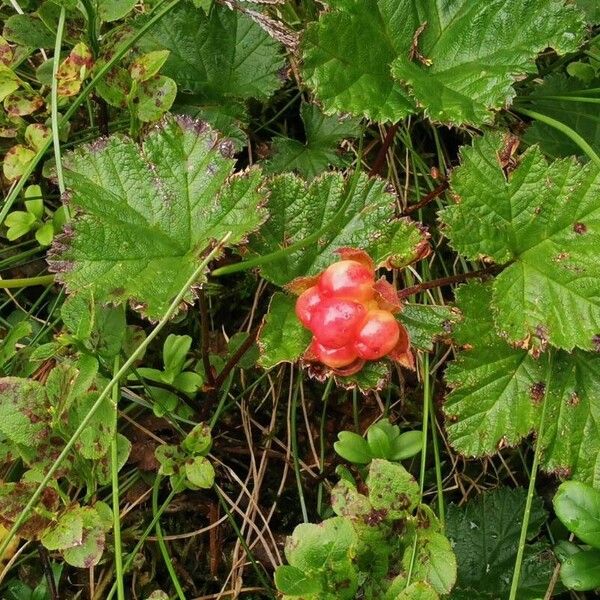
385,146
438,191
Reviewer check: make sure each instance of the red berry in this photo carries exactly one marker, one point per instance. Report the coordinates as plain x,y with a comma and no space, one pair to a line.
306,304
377,336
348,279
335,321
333,357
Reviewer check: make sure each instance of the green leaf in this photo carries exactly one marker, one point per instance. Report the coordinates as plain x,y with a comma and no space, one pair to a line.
175,350
148,65
155,96
28,30
24,411
347,58
10,340
577,505
468,53
144,225
320,151
353,448
367,221
16,161
200,472
198,440
222,55
426,323
406,445
417,591
188,382
111,10
373,376
45,234
497,392
294,582
435,561
485,536
581,571
169,458
89,552
311,547
591,9
560,98
282,337
545,218
379,443
392,488
66,532
457,60
9,82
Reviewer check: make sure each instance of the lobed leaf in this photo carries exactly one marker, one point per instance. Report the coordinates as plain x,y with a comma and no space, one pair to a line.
146,215
543,220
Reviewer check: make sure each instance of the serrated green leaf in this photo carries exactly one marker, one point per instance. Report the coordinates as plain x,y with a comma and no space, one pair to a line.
577,505
222,55
347,58
320,151
373,376
545,218
485,537
469,52
111,10
456,59
368,222
498,391
148,214
426,323
563,99
282,337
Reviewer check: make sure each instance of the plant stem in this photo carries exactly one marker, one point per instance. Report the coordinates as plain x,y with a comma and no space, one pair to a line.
294,442
235,359
54,101
119,54
26,282
570,133
435,193
161,542
325,400
114,467
204,341
435,283
174,306
385,146
438,464
531,490
48,574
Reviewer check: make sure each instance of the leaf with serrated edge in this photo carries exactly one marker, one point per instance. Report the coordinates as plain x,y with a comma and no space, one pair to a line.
426,323
299,209
467,53
498,390
384,58
545,219
222,55
145,216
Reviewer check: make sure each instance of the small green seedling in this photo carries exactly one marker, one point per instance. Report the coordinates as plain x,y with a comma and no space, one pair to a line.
33,219
384,440
577,505
186,465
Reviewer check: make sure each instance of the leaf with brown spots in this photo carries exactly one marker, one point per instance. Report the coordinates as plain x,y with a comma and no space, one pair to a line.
498,392
543,221
146,215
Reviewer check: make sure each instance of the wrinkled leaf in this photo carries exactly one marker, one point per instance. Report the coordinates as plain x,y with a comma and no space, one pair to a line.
392,488
145,225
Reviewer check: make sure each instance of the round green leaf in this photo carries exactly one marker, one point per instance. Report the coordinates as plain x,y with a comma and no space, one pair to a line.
581,571
353,448
200,472
577,505
294,582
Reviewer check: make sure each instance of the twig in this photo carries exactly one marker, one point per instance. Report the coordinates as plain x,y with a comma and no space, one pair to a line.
385,146
235,359
438,191
48,572
204,341
435,283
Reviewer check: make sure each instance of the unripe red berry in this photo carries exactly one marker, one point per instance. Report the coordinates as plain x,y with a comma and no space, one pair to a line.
335,321
333,357
377,336
306,304
348,279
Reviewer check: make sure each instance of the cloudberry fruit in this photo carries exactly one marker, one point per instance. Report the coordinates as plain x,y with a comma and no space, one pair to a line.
348,279
335,321
333,357
306,304
377,335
